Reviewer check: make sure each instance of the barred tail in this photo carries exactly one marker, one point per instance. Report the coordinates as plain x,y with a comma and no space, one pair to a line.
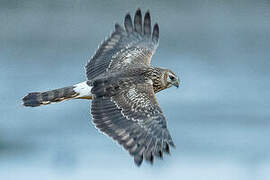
81,90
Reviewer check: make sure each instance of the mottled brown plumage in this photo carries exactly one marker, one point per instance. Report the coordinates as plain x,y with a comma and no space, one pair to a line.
122,86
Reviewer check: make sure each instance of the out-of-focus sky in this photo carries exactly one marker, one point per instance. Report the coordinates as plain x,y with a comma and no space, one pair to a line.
219,118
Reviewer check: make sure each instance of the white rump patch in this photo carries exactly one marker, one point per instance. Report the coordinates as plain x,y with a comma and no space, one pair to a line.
83,89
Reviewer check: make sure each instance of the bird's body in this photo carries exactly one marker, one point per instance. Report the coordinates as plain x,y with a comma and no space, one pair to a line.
122,86
112,83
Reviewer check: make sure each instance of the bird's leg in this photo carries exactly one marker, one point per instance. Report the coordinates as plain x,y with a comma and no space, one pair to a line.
86,97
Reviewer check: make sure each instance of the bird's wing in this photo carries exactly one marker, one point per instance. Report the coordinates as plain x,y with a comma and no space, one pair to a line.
129,47
134,119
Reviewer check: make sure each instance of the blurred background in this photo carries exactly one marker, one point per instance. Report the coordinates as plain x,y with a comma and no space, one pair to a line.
218,118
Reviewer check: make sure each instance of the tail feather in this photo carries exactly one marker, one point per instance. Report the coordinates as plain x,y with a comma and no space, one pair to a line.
81,90
32,99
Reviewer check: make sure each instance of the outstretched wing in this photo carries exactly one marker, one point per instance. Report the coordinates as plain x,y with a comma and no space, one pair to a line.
129,47
134,119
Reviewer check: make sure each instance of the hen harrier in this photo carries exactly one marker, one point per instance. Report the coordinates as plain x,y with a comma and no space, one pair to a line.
122,86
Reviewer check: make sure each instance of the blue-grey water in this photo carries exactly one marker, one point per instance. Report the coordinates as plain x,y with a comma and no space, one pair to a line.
219,118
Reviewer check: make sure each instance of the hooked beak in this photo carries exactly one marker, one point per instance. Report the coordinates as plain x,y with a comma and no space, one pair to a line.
176,83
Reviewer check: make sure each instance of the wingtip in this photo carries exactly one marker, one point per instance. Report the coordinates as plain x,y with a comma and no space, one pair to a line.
155,34
172,144
127,14
147,13
138,21
118,27
147,24
138,160
127,17
138,10
159,154
128,23
156,27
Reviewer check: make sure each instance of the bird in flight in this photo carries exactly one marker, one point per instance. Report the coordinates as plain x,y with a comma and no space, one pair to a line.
122,86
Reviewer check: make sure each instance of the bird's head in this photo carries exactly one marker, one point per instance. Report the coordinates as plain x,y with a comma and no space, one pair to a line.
163,79
170,79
